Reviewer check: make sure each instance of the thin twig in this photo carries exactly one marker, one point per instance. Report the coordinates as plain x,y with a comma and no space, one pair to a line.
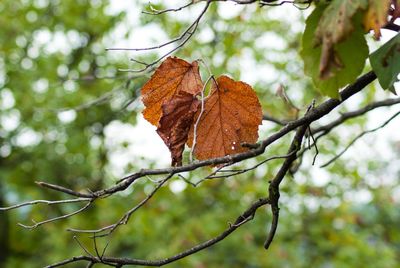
349,115
245,217
56,218
326,129
237,172
159,12
281,122
82,247
47,202
183,39
358,137
64,190
125,218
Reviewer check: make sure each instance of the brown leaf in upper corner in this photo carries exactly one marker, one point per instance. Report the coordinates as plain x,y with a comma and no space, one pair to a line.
231,116
172,77
377,16
176,120
396,11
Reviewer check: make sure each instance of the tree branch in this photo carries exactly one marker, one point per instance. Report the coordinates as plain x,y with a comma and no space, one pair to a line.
315,114
183,39
326,129
245,217
345,116
47,202
273,188
359,136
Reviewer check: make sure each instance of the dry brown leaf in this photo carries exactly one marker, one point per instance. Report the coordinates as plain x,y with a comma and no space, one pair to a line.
176,120
231,116
377,16
172,77
396,11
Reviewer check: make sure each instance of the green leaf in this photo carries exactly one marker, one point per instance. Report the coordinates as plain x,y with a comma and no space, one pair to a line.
335,25
386,62
347,58
336,21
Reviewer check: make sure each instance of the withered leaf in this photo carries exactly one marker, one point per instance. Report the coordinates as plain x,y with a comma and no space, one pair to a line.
176,120
173,76
396,11
377,16
231,116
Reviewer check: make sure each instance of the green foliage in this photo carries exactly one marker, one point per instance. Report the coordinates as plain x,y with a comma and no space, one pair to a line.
336,21
385,62
346,55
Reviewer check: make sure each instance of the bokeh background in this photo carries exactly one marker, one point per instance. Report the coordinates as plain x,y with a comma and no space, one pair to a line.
70,116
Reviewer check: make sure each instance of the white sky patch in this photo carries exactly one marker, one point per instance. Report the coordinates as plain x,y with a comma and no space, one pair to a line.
27,137
229,10
270,40
138,145
41,85
320,177
396,194
361,196
258,71
5,150
67,116
177,186
10,121
205,35
7,100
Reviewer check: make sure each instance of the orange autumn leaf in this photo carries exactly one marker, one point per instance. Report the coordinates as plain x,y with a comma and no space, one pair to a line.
231,116
173,76
176,120
377,16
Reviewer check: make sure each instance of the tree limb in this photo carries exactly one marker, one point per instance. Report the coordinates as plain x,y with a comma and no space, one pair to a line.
245,217
273,188
358,137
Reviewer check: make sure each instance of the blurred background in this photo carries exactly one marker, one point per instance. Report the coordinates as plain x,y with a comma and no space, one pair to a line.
70,116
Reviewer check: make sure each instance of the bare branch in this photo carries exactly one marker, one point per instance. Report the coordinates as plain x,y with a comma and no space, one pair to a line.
281,122
71,260
242,219
159,12
273,189
183,39
47,202
326,129
359,136
240,171
125,218
312,116
82,247
349,115
64,190
56,218
295,3
392,26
